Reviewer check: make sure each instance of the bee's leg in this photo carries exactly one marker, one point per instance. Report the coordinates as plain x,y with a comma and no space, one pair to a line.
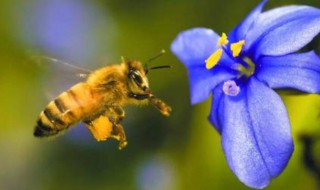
119,134
160,105
139,96
117,114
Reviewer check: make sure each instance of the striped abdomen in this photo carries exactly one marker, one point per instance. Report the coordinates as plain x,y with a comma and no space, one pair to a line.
67,109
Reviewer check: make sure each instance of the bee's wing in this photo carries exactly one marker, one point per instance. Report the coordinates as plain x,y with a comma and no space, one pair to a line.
58,75
59,65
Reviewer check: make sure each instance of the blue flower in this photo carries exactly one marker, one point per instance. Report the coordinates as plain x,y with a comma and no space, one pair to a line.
241,70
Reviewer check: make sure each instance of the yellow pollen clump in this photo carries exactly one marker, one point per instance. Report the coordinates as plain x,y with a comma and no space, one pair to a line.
101,128
213,59
236,48
223,40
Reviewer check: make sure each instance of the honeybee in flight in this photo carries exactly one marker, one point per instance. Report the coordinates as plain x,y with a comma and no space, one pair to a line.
98,102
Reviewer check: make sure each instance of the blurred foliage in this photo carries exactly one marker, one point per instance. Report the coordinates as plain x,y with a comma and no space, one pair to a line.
179,152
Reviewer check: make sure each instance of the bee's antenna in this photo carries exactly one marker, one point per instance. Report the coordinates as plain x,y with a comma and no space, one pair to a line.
161,67
156,56
146,68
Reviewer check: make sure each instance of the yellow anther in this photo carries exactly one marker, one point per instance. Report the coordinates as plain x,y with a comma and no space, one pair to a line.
236,48
223,40
213,59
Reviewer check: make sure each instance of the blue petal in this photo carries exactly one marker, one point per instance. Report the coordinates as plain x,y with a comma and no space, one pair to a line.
298,71
203,81
193,47
283,30
276,17
256,134
216,107
240,31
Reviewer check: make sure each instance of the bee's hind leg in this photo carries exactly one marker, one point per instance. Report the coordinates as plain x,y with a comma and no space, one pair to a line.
117,114
119,134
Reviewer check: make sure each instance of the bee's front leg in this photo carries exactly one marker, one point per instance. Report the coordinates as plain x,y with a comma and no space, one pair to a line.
160,105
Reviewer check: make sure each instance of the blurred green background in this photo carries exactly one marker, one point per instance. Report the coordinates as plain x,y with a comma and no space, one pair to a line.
175,153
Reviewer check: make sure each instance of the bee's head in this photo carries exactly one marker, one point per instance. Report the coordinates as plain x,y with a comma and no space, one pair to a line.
137,73
137,76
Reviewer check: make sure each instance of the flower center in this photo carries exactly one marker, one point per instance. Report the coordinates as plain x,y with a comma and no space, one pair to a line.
247,68
244,65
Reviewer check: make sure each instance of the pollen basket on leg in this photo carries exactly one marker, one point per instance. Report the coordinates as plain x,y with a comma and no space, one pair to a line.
100,128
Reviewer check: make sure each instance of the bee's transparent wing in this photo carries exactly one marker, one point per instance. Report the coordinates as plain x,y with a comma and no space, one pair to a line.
62,66
58,75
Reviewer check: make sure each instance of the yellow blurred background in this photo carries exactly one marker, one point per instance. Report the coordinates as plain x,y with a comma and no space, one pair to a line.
175,153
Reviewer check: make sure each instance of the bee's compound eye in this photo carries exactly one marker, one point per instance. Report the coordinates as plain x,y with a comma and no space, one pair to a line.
136,77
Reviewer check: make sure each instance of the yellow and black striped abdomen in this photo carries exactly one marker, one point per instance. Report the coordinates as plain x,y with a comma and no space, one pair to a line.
67,109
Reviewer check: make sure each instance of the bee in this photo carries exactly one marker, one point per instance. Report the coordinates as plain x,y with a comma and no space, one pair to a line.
98,102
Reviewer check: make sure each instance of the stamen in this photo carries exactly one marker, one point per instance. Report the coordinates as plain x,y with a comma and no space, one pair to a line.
247,68
249,62
230,88
236,48
223,40
216,56
213,59
244,70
